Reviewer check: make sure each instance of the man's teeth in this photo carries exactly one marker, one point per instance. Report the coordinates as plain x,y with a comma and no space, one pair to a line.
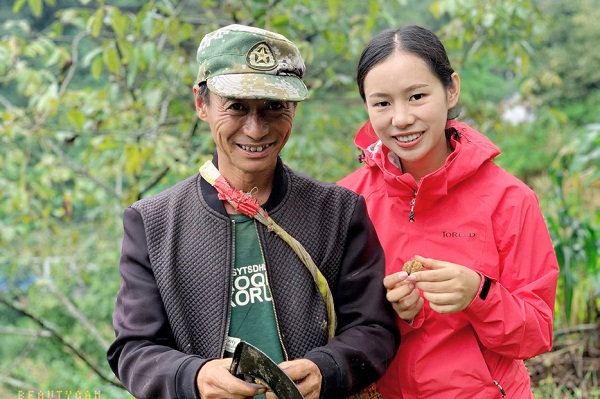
254,149
406,139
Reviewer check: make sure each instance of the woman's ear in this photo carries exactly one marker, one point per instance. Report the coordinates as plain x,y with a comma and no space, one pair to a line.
454,91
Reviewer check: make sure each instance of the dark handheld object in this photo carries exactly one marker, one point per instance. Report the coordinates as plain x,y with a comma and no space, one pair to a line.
251,364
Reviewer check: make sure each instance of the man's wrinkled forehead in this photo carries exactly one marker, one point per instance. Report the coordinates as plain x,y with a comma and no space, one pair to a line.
253,101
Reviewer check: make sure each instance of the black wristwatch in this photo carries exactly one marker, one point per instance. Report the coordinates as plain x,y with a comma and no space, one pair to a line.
487,282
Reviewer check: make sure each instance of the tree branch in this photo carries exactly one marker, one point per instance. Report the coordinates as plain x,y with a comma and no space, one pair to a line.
77,168
574,329
74,62
17,383
153,181
28,348
7,104
24,332
77,314
60,339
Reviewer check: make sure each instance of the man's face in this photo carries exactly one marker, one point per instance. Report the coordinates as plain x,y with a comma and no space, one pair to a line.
249,133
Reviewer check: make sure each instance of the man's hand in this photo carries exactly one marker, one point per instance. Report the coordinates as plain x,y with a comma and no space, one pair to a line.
447,286
305,374
215,381
403,296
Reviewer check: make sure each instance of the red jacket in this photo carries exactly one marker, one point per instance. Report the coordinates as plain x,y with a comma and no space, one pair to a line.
473,213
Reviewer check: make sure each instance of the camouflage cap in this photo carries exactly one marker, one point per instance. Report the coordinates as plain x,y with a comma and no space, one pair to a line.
240,61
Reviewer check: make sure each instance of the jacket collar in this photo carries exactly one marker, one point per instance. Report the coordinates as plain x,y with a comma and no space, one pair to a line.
471,150
277,193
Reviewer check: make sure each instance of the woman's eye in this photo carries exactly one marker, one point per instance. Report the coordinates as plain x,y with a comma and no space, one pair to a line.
417,96
381,104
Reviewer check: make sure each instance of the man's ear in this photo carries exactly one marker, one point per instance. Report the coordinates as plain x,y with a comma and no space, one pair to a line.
295,107
200,104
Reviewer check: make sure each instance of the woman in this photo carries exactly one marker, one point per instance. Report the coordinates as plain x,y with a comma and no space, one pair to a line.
486,297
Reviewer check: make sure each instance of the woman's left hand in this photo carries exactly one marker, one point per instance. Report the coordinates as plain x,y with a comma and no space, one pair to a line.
447,286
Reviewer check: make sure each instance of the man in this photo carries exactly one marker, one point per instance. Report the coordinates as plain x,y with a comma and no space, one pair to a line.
200,271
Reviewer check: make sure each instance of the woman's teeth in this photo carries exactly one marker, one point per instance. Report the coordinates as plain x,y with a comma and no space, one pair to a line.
409,138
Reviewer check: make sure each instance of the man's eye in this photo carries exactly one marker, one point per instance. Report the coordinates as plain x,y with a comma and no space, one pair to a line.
276,106
236,106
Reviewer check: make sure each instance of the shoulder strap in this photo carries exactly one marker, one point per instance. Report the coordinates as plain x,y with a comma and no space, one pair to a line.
250,207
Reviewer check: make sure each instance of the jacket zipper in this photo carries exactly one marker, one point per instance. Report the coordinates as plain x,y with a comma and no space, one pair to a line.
229,293
411,215
285,354
500,387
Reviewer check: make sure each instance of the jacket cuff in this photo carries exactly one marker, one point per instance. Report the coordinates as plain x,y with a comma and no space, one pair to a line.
330,372
406,326
185,378
485,285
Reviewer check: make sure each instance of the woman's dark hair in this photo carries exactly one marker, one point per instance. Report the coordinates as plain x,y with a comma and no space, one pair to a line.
413,39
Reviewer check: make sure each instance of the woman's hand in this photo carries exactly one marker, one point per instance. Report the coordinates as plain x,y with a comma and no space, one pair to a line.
403,296
447,286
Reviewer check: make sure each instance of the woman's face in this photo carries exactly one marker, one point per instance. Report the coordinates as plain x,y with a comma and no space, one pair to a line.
408,107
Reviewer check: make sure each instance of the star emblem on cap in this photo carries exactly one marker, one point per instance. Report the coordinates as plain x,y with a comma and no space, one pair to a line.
261,57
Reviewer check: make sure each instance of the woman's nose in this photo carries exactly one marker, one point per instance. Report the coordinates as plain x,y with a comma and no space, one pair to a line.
402,117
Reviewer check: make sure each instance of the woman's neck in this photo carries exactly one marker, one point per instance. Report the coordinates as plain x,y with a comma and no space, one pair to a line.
423,167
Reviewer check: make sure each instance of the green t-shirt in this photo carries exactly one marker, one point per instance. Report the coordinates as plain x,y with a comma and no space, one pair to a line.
252,312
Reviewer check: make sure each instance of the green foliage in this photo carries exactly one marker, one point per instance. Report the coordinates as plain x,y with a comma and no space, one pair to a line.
527,148
574,227
96,111
566,75
472,25
548,390
96,108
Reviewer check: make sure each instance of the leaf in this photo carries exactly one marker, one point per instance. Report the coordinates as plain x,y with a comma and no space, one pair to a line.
111,60
89,57
280,20
17,6
132,70
119,22
334,5
133,165
126,49
436,10
173,31
96,21
96,68
77,118
36,7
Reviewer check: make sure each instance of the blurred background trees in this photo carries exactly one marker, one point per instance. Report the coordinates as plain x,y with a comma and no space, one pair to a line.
96,111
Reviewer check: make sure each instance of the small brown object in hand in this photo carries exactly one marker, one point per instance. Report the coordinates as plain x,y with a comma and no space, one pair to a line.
412,266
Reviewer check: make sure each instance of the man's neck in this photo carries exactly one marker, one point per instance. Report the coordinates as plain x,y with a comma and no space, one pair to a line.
257,186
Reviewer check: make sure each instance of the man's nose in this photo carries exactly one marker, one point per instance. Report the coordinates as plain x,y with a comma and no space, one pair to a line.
256,125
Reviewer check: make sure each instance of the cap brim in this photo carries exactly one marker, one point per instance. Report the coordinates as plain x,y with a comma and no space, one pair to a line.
258,86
